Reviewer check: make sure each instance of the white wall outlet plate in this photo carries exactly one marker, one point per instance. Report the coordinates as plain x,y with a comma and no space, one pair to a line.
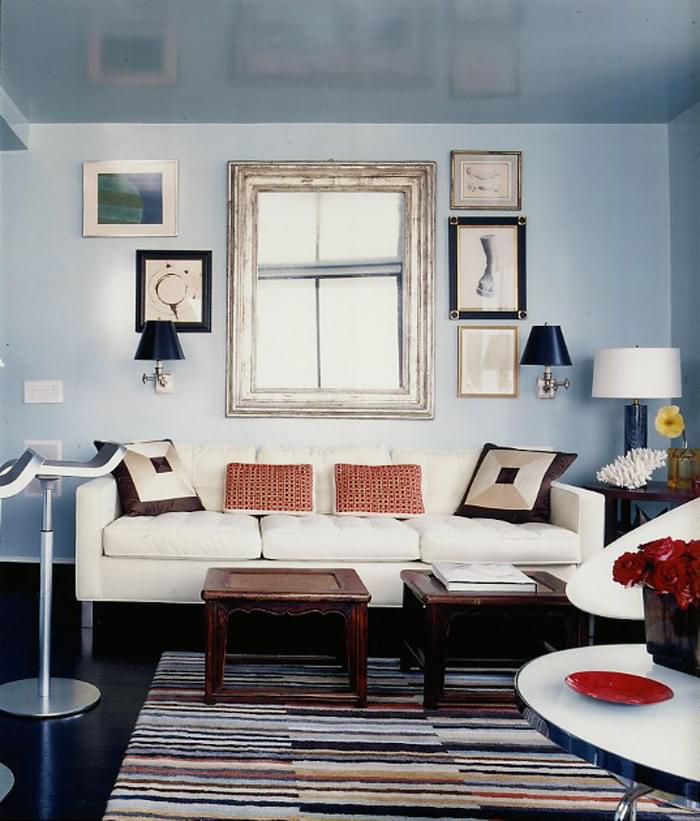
44,391
49,449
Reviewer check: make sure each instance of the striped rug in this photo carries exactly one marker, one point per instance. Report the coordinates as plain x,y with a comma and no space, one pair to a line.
390,760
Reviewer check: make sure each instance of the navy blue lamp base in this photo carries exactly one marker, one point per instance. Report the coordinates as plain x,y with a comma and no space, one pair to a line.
635,426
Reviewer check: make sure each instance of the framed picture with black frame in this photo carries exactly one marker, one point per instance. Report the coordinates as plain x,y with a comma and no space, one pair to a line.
174,285
487,267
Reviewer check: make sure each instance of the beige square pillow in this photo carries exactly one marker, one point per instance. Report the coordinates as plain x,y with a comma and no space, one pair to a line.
151,480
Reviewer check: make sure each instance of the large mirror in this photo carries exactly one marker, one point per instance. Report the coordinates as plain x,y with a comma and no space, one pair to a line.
330,289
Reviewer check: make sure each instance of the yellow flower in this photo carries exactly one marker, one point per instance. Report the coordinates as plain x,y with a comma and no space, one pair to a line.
669,421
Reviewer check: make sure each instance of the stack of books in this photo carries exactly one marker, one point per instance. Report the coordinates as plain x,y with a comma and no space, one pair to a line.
478,577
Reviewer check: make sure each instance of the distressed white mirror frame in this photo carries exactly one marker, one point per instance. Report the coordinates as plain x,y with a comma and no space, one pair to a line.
416,182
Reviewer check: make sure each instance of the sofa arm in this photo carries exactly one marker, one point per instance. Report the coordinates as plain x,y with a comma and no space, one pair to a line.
96,505
582,511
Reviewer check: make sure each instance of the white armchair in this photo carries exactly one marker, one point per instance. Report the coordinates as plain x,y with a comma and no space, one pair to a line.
592,588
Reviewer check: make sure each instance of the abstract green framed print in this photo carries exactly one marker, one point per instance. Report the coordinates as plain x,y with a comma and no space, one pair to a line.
130,198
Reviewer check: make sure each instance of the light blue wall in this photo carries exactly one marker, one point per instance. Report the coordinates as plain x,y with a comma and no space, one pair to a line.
684,151
597,202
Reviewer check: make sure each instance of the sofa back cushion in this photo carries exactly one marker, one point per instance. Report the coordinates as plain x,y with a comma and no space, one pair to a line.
324,461
446,474
207,466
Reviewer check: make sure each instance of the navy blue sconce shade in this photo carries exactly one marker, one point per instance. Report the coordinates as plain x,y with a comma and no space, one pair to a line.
159,341
545,346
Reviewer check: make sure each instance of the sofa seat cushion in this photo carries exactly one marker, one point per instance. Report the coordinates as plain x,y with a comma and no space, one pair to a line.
337,538
455,538
201,535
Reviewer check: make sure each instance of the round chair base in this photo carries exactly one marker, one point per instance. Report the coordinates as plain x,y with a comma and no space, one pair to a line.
7,781
67,696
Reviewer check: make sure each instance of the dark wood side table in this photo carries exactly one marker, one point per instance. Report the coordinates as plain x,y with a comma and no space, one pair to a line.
292,592
618,503
429,609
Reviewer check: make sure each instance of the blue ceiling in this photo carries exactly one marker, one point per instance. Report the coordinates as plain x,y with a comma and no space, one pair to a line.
416,61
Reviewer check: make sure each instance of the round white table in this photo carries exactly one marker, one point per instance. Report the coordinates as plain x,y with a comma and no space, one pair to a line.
650,747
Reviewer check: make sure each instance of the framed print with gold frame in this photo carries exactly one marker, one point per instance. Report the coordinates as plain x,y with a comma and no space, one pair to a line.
488,361
487,267
486,180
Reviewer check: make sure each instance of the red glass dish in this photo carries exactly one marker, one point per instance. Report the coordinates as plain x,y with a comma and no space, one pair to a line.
621,688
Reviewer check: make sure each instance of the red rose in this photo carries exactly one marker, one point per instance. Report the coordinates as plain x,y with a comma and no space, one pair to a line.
668,576
661,549
630,568
692,551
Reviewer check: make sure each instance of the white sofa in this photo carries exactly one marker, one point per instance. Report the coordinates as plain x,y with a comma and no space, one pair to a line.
164,558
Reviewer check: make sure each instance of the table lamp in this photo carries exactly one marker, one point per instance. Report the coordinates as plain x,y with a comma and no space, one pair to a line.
636,373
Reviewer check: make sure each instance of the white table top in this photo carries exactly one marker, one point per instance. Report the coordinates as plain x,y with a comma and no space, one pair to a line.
653,744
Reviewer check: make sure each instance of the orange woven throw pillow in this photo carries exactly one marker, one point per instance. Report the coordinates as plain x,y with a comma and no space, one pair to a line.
259,489
378,490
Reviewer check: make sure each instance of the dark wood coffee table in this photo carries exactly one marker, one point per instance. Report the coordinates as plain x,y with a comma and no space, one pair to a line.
429,609
288,591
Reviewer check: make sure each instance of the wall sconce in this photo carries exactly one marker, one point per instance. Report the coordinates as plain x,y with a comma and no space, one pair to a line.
159,342
546,346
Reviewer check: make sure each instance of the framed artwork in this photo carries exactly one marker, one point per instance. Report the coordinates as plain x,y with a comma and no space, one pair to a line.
488,361
487,267
486,180
174,285
130,198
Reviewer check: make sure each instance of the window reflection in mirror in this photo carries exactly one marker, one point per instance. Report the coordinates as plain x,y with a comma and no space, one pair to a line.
329,290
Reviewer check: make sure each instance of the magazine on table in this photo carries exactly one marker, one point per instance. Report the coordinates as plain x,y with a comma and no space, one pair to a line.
478,577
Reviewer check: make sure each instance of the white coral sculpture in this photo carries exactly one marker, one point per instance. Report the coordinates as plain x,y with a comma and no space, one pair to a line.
632,470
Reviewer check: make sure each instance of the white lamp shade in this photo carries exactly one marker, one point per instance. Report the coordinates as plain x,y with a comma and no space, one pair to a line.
637,373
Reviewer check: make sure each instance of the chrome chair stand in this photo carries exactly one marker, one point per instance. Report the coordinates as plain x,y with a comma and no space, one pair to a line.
45,696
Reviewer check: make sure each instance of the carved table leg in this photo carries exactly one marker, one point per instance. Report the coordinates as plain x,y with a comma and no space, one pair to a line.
361,654
356,642
217,622
435,656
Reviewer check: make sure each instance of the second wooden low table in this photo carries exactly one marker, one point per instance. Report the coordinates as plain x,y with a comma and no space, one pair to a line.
292,592
429,609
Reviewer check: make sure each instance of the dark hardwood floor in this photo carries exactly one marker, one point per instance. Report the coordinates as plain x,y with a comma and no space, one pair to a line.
65,768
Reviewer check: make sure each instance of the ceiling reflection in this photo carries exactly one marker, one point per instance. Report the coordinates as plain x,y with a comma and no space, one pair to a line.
359,61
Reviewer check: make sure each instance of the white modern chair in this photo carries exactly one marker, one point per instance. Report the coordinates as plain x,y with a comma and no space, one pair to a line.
592,588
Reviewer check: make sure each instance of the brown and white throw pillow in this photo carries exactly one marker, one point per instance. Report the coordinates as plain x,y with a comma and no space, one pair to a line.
261,488
513,484
378,490
152,480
